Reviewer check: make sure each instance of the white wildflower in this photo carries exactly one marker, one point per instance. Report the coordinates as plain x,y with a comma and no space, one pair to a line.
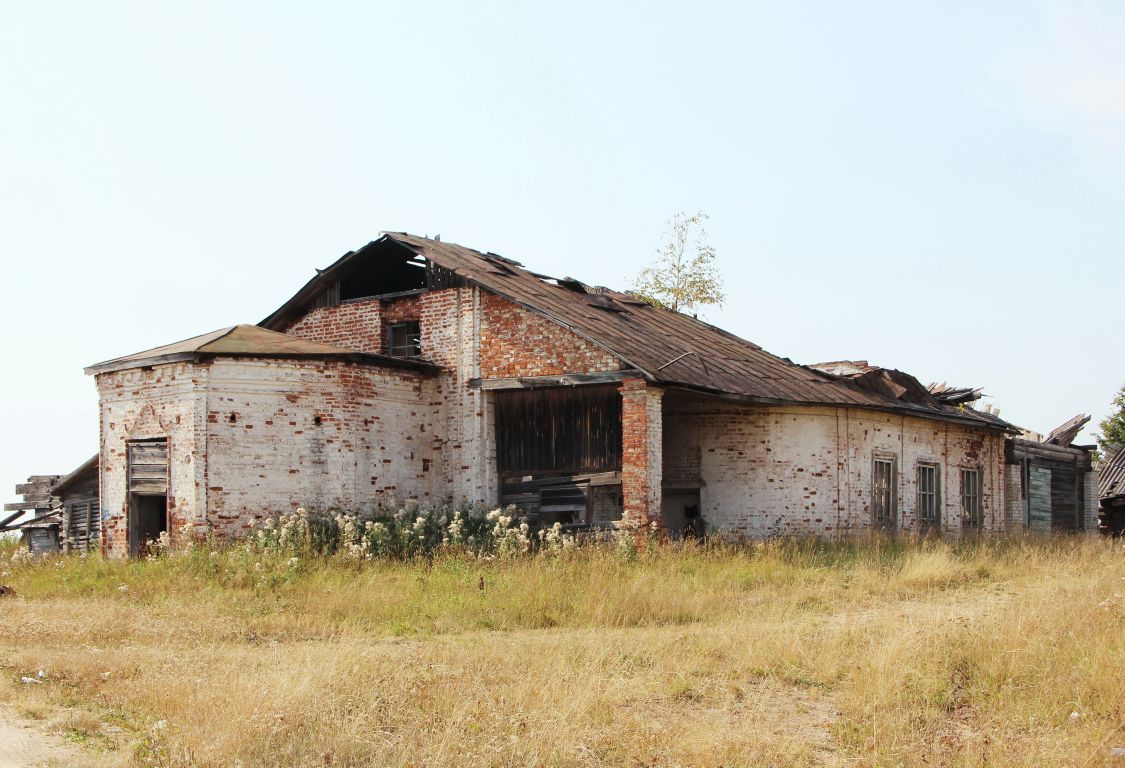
23,555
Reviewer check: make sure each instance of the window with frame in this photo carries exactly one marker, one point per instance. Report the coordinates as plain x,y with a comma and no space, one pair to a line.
883,493
929,497
404,339
970,499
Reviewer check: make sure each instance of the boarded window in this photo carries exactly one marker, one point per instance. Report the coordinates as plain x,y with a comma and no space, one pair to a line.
1066,497
970,499
404,339
929,510
82,525
43,540
558,430
883,494
148,467
565,504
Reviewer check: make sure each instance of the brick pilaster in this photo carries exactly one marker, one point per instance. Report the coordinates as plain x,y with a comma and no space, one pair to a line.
641,449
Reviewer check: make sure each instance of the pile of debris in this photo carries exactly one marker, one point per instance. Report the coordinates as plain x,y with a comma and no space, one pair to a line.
41,529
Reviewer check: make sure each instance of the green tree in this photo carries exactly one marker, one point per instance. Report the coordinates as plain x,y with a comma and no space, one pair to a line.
1112,427
684,275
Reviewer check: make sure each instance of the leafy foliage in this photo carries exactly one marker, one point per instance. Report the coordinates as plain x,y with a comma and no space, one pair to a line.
684,275
1112,434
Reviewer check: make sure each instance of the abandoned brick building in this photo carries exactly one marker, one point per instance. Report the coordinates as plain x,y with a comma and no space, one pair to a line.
432,371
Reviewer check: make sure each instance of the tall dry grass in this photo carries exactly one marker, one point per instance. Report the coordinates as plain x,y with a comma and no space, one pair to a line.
987,652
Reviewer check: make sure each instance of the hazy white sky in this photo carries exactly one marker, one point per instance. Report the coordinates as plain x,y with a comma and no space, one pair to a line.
934,187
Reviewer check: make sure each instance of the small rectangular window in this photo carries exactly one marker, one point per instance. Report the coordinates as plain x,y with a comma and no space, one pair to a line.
929,509
404,339
883,494
970,499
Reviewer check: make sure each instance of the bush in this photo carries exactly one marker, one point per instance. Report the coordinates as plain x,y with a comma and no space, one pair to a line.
406,531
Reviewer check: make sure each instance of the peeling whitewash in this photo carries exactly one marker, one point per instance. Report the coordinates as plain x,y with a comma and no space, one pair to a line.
251,437
807,470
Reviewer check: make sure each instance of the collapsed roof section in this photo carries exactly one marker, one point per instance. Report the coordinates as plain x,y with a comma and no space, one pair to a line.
954,395
665,346
1065,433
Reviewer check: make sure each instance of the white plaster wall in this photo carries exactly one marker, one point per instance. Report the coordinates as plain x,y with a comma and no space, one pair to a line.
1013,497
379,431
165,401
804,471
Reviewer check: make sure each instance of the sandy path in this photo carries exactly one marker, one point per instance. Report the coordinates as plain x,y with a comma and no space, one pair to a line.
24,743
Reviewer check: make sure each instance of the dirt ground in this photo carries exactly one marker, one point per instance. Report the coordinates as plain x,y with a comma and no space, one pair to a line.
25,743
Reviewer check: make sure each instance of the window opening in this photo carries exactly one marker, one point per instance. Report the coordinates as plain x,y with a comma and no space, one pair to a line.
929,514
970,499
883,494
404,339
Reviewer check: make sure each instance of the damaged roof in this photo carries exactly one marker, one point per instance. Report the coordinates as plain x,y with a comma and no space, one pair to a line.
1065,433
249,341
666,347
87,470
1111,476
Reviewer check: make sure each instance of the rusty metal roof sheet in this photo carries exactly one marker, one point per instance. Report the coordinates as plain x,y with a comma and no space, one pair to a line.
668,347
249,341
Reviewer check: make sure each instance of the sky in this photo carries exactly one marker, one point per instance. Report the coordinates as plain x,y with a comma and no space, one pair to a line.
933,187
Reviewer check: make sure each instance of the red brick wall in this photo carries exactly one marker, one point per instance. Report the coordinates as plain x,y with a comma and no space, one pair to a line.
517,342
641,449
355,325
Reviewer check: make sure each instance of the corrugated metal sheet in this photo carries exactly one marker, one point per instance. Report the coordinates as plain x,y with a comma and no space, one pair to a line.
1111,476
668,347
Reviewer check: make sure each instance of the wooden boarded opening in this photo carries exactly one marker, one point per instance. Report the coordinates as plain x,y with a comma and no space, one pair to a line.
1066,499
82,525
147,473
558,453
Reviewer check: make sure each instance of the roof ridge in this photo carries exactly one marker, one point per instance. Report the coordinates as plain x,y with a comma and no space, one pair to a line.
641,337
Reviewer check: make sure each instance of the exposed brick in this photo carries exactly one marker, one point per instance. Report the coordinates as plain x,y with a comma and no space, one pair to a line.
356,325
807,470
641,449
224,475
332,433
518,342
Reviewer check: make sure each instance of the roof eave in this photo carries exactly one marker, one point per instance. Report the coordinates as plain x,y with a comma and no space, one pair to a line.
361,358
757,400
67,480
111,366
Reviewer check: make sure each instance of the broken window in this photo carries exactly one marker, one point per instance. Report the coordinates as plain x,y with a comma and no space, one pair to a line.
883,494
970,499
404,339
929,514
